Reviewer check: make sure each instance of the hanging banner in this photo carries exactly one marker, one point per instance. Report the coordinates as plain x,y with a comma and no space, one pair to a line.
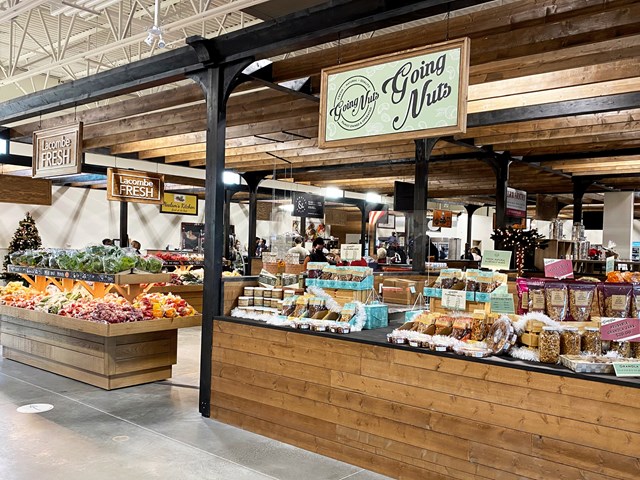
307,205
57,151
132,186
179,203
516,203
442,218
412,94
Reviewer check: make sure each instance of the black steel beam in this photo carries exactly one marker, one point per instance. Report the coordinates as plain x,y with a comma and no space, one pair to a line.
607,103
580,186
580,155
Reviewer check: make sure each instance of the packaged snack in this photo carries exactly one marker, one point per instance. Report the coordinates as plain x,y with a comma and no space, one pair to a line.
522,289
580,301
635,300
536,299
301,306
451,278
461,329
570,341
615,300
591,342
502,336
549,345
478,329
444,326
289,305
347,312
557,301
472,284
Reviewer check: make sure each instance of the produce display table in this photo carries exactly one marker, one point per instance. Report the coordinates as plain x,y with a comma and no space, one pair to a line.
191,293
105,355
415,414
97,284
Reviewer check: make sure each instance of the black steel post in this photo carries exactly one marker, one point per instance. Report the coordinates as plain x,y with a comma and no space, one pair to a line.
124,224
470,211
364,214
303,227
500,165
580,186
217,82
424,147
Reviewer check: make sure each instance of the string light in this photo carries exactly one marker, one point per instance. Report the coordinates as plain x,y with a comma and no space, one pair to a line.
522,241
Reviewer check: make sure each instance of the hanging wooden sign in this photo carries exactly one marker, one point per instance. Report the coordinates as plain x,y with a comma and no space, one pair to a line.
132,186
412,94
25,190
57,151
179,203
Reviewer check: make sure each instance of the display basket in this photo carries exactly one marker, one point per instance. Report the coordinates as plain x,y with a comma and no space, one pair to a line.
272,268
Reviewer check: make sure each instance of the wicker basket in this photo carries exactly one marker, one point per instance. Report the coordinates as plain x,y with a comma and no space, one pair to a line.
272,268
294,268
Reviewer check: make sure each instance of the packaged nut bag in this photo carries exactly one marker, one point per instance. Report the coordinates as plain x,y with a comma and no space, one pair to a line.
615,299
556,297
580,301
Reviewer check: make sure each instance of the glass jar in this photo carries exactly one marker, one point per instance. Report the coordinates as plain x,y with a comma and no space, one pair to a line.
591,342
570,341
623,348
549,345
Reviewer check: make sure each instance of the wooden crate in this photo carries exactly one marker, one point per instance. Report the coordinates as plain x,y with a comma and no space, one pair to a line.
343,296
107,356
435,305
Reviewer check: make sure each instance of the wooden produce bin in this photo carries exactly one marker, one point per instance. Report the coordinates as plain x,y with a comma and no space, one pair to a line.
417,415
108,356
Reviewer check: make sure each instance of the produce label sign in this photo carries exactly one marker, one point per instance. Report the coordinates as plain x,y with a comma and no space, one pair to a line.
620,329
558,268
57,151
496,259
412,94
137,187
516,203
179,203
627,369
610,264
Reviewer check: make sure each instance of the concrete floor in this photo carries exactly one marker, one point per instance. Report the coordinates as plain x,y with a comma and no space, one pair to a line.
144,432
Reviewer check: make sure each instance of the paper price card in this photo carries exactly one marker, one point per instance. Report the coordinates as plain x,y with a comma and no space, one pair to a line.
627,369
620,329
610,264
502,303
454,299
558,268
496,259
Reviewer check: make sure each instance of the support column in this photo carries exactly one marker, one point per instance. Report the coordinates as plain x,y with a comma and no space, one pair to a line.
580,186
303,227
424,147
500,165
364,214
217,82
253,181
470,211
124,224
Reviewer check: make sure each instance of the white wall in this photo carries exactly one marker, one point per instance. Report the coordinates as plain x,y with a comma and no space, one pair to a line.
81,216
618,221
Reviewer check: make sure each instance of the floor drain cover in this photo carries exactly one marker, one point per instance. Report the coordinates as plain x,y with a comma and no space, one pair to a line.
35,408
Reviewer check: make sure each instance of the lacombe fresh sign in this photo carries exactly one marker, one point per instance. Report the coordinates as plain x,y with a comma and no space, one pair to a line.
132,186
407,95
57,151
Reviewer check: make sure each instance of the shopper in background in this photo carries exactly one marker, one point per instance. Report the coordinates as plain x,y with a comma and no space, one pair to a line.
475,254
136,246
299,249
262,247
317,254
393,239
107,241
382,255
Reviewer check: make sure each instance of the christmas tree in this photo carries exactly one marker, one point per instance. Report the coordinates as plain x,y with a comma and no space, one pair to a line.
25,238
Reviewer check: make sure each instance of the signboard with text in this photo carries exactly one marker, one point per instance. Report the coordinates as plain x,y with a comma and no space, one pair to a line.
620,329
516,203
179,203
454,299
560,268
442,218
412,94
132,186
496,259
307,205
57,151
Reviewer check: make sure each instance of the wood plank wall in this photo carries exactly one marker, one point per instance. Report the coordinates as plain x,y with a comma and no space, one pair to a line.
418,416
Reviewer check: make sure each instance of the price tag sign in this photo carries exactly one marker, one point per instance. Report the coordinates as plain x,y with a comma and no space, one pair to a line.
610,264
627,369
412,289
558,268
454,299
620,329
496,259
502,303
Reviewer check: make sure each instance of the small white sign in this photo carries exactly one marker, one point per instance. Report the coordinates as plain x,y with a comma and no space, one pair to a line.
350,251
35,408
454,299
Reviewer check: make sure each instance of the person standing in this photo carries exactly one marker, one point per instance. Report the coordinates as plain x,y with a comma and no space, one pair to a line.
299,249
136,246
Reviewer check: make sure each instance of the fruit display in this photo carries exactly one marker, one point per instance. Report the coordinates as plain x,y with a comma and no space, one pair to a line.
179,257
93,259
111,308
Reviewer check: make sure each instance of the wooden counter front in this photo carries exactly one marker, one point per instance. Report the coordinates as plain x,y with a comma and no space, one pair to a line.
414,415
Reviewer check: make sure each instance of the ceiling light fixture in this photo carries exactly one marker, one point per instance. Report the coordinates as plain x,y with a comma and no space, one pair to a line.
155,32
332,192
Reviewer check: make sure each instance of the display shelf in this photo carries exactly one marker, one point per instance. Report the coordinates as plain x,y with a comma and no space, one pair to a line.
105,355
97,284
